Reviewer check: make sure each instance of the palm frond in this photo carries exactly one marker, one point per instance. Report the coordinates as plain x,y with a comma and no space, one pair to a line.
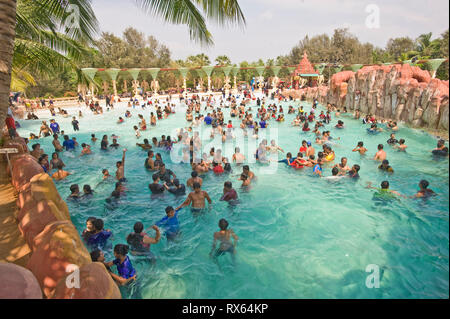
180,12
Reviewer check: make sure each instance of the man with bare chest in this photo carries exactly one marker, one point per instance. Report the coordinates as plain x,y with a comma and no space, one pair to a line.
197,198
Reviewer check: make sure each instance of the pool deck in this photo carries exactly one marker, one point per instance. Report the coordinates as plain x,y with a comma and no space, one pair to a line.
13,248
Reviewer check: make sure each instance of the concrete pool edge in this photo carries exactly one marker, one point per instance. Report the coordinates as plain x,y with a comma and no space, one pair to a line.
56,254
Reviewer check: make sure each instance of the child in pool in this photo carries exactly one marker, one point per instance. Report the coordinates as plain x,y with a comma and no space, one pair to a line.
123,264
100,236
60,173
224,237
384,188
136,131
170,223
360,148
89,229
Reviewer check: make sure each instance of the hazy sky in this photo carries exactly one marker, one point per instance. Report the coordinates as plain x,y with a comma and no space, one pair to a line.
274,26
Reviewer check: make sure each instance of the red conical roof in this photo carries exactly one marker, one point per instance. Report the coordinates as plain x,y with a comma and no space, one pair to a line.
305,67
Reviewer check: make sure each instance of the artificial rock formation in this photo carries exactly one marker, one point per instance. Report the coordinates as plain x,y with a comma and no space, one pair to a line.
18,283
400,92
94,283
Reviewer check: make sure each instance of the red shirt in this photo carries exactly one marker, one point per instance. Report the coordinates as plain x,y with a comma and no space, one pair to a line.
10,123
218,169
303,149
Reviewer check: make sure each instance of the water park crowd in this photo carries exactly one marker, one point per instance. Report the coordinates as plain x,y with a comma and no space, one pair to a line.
207,111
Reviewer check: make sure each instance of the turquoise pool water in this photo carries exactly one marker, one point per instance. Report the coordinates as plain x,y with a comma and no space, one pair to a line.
299,236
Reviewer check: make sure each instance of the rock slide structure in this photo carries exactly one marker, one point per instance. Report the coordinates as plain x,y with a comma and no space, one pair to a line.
44,221
399,92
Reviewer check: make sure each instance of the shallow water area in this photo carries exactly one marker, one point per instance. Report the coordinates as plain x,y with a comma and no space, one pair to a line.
300,236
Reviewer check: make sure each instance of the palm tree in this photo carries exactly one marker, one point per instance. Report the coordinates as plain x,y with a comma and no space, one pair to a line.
50,15
223,60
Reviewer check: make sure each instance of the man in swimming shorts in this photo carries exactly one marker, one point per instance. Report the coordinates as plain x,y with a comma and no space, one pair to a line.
194,179
360,148
238,157
342,166
197,198
381,154
145,146
120,173
224,238
60,173
401,145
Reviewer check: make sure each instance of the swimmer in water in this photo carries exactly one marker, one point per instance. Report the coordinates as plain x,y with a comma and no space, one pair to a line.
194,179
424,191
224,238
245,180
229,193
170,223
342,166
360,148
401,145
384,188
386,167
197,198
140,242
120,173
381,154
60,173
124,266
145,146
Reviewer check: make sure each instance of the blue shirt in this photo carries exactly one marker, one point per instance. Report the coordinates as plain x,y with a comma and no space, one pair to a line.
69,145
125,269
171,225
208,120
99,240
262,124
54,127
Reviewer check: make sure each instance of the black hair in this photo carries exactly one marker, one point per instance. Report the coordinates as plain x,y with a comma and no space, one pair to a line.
155,177
228,184
87,188
196,185
176,182
98,224
384,184
335,171
360,143
380,146
169,209
223,224
121,249
138,227
95,254
424,183
194,174
73,188
357,167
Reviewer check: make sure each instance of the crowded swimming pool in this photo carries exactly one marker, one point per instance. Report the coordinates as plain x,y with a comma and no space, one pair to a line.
299,236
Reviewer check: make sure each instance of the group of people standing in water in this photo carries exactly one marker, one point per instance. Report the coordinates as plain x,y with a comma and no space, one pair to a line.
164,180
